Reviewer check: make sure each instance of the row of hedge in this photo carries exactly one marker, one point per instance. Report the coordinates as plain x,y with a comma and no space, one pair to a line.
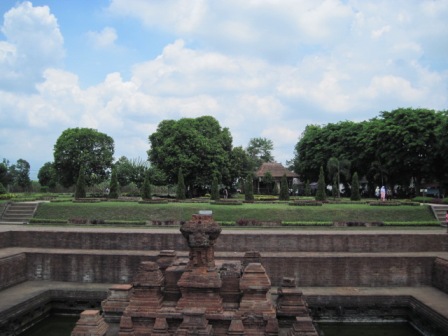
242,222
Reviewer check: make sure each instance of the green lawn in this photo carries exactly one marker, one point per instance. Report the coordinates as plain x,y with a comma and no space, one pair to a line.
265,212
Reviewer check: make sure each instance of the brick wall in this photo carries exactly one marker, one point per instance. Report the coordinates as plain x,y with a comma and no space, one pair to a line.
86,267
368,271
440,274
12,270
5,239
229,242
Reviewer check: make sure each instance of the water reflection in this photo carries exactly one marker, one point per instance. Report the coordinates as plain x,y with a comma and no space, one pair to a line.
368,329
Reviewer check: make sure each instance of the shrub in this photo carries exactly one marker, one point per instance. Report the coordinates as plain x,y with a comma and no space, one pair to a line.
306,202
78,220
247,222
47,221
2,189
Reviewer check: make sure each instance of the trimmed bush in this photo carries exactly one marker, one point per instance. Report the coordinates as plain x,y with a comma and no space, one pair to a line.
113,193
80,191
321,195
355,196
284,190
306,203
47,221
146,188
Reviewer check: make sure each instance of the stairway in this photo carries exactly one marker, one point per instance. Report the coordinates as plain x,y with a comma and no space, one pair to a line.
439,212
18,212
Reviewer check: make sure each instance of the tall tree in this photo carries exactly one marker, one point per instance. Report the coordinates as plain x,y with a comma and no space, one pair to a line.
260,151
199,146
47,175
336,168
87,147
21,174
5,174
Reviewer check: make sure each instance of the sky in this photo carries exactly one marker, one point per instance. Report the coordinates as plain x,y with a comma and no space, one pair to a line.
262,68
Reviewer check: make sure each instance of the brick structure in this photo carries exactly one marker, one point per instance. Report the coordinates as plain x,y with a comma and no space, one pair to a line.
90,323
203,296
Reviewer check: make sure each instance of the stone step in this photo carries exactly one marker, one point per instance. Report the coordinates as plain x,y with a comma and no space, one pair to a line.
439,212
18,212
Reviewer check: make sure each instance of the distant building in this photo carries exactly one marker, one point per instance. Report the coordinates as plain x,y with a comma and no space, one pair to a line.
277,171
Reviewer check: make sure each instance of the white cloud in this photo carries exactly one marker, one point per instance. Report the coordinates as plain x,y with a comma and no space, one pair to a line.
103,39
262,68
33,43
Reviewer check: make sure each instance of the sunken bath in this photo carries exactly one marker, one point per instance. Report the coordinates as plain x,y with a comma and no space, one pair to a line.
344,275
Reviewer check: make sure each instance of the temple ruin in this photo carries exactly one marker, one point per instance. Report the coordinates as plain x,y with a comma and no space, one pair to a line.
200,295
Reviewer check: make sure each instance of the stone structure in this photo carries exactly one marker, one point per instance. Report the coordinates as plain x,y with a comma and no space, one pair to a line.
204,296
90,323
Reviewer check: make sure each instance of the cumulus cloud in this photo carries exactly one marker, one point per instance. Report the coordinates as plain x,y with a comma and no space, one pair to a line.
103,39
33,43
260,68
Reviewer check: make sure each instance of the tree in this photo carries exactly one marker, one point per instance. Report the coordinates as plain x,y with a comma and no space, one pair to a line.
240,164
83,146
47,175
355,196
284,190
5,175
146,188
20,174
2,189
336,168
260,151
307,188
321,194
113,193
249,188
180,194
199,146
268,180
80,190
214,195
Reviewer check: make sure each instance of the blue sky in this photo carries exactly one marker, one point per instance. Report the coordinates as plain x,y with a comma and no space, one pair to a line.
261,68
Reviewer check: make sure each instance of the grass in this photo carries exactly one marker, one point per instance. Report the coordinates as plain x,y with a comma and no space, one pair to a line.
266,212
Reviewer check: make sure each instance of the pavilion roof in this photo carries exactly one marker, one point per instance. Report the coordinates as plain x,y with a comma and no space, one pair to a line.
276,169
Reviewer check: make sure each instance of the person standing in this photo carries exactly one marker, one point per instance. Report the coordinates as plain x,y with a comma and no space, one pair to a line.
383,193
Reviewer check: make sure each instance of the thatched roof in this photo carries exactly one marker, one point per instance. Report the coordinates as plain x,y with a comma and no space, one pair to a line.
276,169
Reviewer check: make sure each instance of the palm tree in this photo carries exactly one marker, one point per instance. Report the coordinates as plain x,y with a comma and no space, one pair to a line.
335,168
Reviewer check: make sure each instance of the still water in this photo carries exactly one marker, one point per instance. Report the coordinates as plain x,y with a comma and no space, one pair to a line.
367,329
63,325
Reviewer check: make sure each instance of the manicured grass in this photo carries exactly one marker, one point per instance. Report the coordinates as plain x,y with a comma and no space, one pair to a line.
264,212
